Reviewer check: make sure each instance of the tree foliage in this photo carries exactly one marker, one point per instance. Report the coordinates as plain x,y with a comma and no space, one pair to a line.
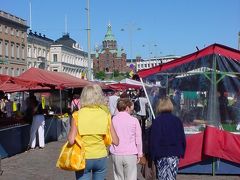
100,75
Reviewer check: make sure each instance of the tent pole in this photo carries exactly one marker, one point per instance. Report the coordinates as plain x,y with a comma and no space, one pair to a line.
60,93
145,91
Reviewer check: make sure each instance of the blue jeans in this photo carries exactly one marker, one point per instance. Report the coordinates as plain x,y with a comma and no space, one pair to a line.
95,169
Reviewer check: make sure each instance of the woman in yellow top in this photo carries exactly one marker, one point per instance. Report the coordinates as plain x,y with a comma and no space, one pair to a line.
92,124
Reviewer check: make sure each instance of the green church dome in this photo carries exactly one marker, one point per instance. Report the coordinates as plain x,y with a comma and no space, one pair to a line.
109,35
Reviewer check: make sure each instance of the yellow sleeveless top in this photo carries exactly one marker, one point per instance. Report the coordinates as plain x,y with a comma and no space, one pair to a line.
92,125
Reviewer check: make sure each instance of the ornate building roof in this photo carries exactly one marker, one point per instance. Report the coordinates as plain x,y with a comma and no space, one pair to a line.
66,40
109,35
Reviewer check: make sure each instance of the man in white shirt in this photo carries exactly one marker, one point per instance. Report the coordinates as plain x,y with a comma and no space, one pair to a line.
113,103
142,113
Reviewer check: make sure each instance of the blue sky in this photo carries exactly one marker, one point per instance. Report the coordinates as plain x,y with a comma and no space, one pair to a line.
167,26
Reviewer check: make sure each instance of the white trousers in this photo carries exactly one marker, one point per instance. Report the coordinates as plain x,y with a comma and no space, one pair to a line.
124,167
37,127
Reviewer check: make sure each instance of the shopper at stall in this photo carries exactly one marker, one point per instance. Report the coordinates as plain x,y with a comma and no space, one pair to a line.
167,140
3,111
28,111
37,124
92,123
223,106
127,154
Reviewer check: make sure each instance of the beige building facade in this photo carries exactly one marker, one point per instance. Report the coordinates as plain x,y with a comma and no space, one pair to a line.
38,50
67,56
13,44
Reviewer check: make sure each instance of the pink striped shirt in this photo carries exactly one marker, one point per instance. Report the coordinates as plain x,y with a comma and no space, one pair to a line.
129,133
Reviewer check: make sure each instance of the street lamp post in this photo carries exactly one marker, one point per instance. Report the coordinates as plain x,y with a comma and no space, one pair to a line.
89,76
131,28
152,48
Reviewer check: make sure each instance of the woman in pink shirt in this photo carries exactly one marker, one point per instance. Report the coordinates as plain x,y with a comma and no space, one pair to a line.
127,154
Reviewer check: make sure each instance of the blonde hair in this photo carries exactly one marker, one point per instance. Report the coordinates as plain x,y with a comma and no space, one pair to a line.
164,105
92,95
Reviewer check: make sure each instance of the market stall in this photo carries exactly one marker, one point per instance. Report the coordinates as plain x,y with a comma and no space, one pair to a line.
14,129
50,88
205,89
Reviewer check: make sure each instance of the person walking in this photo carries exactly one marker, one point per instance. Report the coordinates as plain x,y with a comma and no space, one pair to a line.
127,154
91,124
38,124
167,140
143,111
113,102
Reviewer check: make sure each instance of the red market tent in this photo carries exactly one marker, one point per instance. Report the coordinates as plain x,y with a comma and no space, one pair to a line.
130,81
13,84
126,84
209,73
123,86
59,79
212,49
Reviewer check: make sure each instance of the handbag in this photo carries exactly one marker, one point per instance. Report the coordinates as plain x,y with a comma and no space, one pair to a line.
72,157
148,170
108,137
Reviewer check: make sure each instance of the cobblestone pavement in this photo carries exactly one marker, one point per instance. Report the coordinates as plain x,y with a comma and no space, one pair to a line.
39,164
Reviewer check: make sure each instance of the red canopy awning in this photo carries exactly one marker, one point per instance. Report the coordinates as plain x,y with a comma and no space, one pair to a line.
13,84
123,86
212,49
59,79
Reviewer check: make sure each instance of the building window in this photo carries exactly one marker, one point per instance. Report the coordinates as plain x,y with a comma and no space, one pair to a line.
39,52
11,72
35,52
12,31
18,51
23,52
12,50
29,51
17,73
6,29
17,33
1,48
6,49
6,70
107,56
47,54
54,57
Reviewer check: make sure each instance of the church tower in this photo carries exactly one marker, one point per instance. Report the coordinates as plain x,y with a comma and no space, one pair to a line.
109,58
109,41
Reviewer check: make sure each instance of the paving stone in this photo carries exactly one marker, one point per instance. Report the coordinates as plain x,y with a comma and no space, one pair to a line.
40,164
